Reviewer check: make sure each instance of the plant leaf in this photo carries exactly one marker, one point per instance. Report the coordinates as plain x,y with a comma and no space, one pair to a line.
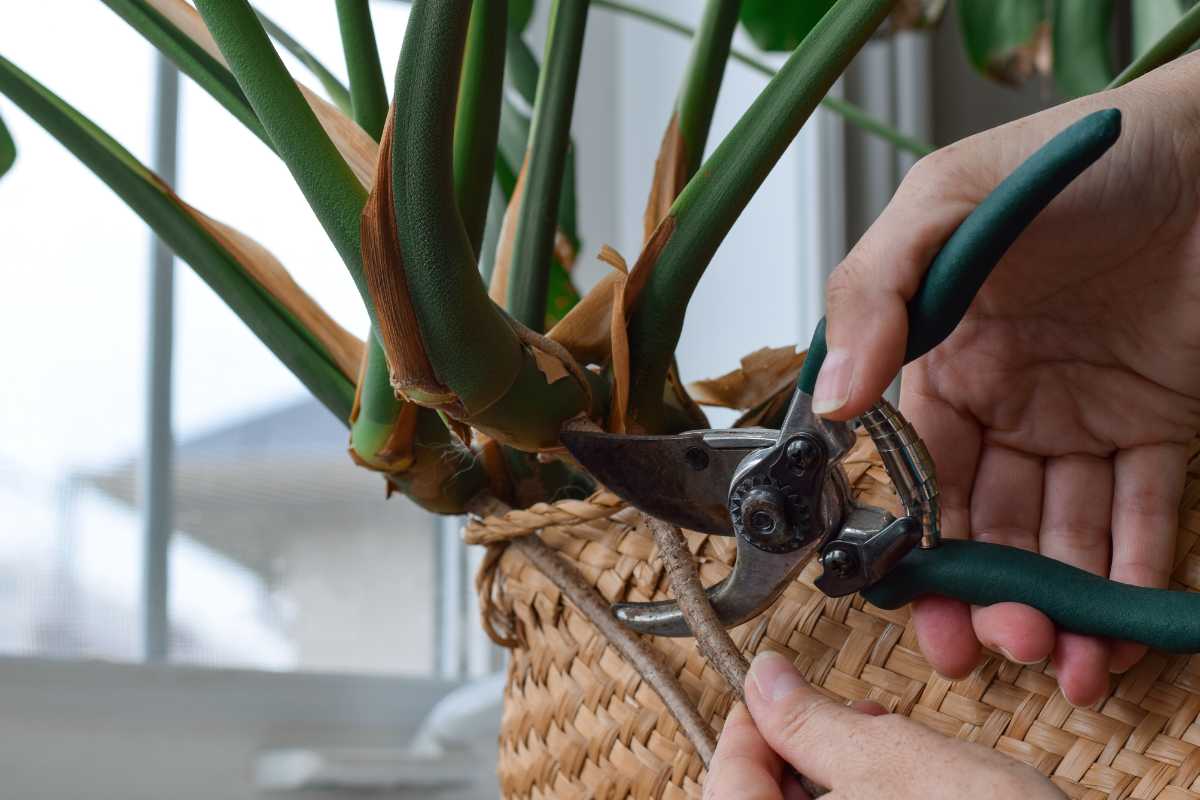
519,14
1150,20
1082,57
780,25
1003,38
1178,40
762,375
337,91
242,273
8,149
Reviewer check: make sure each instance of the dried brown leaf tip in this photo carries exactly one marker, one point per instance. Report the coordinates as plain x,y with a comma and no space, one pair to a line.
1035,57
260,264
763,374
670,173
909,14
412,373
619,341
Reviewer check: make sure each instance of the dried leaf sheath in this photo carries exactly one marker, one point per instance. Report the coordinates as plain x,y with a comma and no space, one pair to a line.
383,267
670,175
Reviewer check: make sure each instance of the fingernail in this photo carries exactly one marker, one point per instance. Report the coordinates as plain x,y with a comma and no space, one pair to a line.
1013,658
774,676
833,382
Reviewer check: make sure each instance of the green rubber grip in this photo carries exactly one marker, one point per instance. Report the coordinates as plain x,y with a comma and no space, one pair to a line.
974,249
981,574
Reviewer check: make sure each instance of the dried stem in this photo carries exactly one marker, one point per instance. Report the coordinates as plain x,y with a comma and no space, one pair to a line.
640,655
712,638
636,651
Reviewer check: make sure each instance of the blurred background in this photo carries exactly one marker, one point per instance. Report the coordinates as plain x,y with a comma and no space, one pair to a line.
200,595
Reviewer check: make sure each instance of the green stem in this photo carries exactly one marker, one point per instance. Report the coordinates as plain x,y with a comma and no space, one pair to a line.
548,141
336,90
711,202
368,90
477,119
852,113
153,201
1172,45
702,77
8,149
324,178
192,60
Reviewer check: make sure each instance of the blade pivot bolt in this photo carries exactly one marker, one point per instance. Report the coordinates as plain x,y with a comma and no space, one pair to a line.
696,458
840,562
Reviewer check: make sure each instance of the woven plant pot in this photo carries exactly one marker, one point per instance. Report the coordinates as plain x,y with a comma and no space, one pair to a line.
579,722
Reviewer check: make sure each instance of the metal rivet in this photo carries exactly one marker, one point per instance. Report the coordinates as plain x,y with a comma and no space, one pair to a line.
696,458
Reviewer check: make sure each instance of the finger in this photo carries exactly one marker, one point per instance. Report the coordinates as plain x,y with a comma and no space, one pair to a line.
1006,508
1077,529
1147,485
942,624
1081,666
811,732
743,765
867,322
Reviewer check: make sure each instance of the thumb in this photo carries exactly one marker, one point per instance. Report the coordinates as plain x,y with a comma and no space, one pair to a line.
866,296
822,739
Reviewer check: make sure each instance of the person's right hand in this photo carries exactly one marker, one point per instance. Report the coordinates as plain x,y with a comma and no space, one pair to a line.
1060,410
859,752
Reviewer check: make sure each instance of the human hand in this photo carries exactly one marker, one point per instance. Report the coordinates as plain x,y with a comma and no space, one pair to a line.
1060,410
858,751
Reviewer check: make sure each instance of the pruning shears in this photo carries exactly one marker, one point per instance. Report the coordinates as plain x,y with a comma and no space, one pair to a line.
784,494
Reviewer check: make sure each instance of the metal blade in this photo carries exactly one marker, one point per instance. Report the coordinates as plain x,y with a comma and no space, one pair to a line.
682,479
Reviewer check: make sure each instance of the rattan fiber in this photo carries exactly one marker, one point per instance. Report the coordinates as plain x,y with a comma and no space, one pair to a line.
579,723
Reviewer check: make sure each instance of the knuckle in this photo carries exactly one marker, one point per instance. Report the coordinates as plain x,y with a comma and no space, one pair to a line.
800,724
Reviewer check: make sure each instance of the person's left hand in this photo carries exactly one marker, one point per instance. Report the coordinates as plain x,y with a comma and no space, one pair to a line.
858,751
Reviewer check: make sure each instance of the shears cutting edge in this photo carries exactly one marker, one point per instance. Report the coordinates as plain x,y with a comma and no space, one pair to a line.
784,494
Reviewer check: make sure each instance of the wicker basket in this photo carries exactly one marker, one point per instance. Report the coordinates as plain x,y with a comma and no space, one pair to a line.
579,722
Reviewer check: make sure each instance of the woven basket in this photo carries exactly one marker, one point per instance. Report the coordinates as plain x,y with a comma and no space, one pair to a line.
579,723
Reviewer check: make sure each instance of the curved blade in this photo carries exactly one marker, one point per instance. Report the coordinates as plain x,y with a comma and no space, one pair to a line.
682,479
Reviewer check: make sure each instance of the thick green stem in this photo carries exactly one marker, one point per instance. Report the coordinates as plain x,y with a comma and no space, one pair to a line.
548,140
471,345
1172,45
477,120
8,149
702,77
713,200
852,113
338,94
368,90
325,179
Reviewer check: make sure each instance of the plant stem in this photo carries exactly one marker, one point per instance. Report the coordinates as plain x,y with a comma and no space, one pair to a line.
336,90
325,179
713,200
477,119
548,141
1174,43
640,655
852,113
702,78
368,90
192,59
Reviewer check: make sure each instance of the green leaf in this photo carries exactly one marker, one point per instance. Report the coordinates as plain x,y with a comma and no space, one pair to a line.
519,14
1082,55
781,24
192,59
1150,20
8,149
999,36
178,226
338,93
1174,43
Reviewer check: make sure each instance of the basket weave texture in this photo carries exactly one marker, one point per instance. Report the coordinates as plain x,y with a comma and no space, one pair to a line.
580,723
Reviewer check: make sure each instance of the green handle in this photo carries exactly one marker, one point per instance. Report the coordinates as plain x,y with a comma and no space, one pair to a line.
982,574
982,239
